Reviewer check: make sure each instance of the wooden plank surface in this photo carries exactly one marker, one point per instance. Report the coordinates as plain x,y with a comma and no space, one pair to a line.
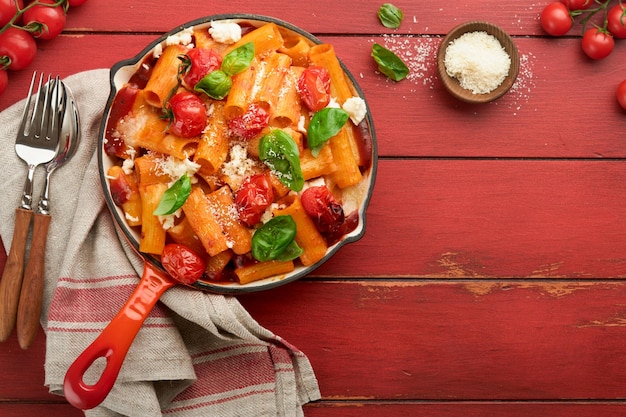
490,281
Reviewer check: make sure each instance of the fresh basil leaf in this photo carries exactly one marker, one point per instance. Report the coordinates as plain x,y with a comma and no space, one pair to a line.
174,197
291,252
325,124
280,153
389,63
239,59
216,85
390,16
272,239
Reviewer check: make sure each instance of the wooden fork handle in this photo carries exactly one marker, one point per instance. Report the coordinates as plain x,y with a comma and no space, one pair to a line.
13,274
29,308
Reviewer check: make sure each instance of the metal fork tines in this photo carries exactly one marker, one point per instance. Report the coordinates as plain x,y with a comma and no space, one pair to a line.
36,144
39,131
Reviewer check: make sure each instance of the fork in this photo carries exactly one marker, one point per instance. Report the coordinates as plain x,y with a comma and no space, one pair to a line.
36,144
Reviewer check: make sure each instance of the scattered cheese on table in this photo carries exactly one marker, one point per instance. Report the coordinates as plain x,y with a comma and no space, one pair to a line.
478,61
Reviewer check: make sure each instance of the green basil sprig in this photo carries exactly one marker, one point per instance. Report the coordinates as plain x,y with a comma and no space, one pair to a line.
275,240
217,84
389,63
325,124
390,16
280,153
174,197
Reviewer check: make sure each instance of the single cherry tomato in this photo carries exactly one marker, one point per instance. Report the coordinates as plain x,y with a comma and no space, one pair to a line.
251,123
555,19
8,9
4,81
321,206
188,115
19,46
201,62
253,198
621,94
183,264
314,87
597,44
616,21
47,22
74,3
578,4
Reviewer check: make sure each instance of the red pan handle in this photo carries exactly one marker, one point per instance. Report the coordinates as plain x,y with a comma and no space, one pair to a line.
114,341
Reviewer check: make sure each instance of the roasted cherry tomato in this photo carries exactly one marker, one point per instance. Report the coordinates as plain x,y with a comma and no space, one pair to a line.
253,198
314,87
321,206
621,94
183,264
8,10
47,21
616,21
201,62
251,123
188,118
578,4
555,19
19,46
4,80
597,44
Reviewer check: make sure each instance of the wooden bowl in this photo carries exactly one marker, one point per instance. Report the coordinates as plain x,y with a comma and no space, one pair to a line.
452,84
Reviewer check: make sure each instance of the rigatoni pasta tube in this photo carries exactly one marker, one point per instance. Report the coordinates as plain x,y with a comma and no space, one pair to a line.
152,232
266,38
261,270
307,235
164,76
131,204
287,108
224,207
348,172
204,222
324,56
212,149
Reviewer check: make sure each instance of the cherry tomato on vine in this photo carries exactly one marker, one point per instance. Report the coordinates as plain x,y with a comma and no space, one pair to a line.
597,44
183,264
616,21
251,123
578,4
47,22
4,81
8,10
188,118
555,19
201,62
314,87
321,206
74,3
621,94
19,46
253,198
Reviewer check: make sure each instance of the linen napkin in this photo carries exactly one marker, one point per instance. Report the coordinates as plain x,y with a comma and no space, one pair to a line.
197,354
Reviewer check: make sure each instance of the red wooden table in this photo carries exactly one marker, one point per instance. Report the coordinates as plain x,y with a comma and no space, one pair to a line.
490,279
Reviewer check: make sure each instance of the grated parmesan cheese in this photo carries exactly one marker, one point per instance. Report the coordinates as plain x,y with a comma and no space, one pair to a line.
478,61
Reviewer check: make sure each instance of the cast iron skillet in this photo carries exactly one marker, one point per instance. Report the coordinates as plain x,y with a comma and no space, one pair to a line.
115,340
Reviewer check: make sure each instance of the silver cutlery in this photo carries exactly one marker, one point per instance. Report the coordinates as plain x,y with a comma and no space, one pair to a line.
36,144
29,307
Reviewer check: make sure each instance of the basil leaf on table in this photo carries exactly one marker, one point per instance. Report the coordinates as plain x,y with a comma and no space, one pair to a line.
325,124
216,84
275,239
239,59
280,153
390,16
389,63
174,197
